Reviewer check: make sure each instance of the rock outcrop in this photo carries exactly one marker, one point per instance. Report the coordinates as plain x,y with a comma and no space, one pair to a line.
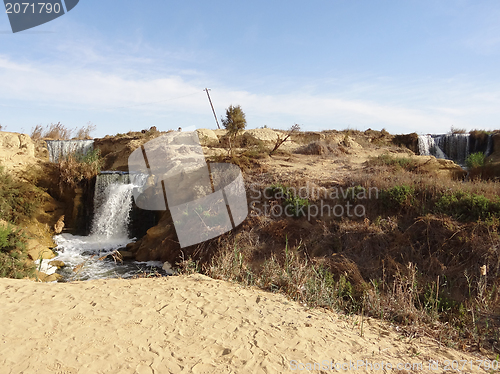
17,151
115,150
37,251
207,137
438,166
266,136
159,244
59,226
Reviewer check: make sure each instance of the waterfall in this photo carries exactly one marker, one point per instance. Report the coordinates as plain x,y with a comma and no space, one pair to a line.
454,146
427,146
63,148
113,203
489,146
109,232
450,146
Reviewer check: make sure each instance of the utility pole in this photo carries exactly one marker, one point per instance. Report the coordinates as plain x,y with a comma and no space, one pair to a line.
213,110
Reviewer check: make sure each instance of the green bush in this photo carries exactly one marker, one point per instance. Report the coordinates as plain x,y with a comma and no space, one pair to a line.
468,207
277,191
296,206
398,195
475,160
293,204
18,201
356,192
13,256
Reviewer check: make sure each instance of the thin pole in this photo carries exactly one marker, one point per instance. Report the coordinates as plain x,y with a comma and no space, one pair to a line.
213,110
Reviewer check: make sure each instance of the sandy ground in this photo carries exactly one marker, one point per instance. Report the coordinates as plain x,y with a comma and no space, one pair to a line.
192,324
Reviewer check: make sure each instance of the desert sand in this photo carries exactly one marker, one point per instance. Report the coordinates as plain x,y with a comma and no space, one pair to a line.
193,324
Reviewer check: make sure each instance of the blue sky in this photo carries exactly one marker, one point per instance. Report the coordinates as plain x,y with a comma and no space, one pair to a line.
405,66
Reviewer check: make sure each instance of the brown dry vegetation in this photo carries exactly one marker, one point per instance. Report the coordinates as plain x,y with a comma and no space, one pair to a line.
425,255
57,131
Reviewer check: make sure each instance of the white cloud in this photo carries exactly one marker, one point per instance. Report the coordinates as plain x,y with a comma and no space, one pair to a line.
427,108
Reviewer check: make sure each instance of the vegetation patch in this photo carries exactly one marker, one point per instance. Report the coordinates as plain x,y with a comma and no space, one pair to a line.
74,169
465,206
19,201
395,162
13,256
398,196
57,131
475,160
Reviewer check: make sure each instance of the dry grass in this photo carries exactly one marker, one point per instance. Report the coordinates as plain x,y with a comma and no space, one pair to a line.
83,133
455,130
407,262
442,294
74,169
57,131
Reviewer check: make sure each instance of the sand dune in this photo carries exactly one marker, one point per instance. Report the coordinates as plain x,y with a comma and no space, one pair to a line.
191,324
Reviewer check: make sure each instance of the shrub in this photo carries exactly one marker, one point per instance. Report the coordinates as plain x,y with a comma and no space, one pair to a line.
475,160
295,206
455,130
58,131
466,206
292,204
256,151
398,195
75,168
13,256
84,132
18,201
53,131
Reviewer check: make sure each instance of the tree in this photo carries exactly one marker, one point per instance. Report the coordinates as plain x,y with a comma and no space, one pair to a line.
234,122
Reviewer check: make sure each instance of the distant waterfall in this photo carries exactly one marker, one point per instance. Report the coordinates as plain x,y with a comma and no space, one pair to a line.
427,146
63,148
450,146
112,204
489,146
454,146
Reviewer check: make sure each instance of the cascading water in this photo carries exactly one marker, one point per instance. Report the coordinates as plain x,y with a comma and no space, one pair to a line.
109,232
63,148
450,146
454,146
112,205
427,146
489,146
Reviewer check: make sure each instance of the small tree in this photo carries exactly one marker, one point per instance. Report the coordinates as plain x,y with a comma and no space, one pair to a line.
234,122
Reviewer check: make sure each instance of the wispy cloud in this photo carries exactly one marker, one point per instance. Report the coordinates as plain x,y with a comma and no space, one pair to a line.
108,84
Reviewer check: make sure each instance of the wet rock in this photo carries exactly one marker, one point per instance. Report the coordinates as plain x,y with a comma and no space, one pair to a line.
57,263
37,251
126,255
58,227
